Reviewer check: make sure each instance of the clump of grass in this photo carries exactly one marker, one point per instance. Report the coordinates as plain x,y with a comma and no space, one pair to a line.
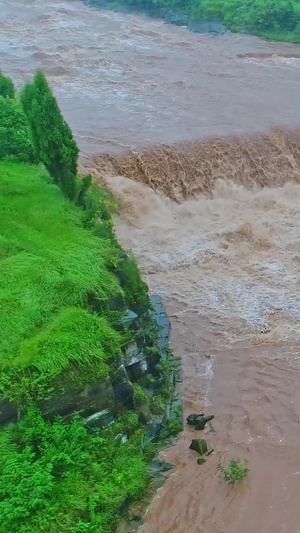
237,470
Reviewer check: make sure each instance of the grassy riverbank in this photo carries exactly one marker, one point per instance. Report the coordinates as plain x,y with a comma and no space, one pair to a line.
66,288
56,476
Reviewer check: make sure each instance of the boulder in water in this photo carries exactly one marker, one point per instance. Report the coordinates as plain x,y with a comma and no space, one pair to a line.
192,419
176,17
199,445
202,420
198,421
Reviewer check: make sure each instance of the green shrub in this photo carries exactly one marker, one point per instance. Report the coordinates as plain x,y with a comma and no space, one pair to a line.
174,426
140,394
15,141
57,477
135,289
158,406
98,205
7,89
236,471
52,137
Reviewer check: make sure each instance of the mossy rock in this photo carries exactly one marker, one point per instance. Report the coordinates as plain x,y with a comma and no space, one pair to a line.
199,445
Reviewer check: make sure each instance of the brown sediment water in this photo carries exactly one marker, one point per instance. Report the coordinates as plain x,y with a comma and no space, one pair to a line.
223,251
125,81
228,270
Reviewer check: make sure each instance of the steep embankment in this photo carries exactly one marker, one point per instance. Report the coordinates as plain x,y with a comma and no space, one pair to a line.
184,170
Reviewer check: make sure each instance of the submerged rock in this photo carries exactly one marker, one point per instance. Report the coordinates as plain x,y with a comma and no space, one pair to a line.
199,445
206,25
159,466
202,420
198,421
135,524
178,18
192,419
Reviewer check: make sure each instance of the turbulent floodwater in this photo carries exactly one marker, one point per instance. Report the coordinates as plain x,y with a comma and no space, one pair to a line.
228,269
227,264
124,81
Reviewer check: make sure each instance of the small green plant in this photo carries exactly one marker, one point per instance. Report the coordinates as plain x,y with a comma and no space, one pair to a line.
114,5
158,405
140,394
237,470
148,446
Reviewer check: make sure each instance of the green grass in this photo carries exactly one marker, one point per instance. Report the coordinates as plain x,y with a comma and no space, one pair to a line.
64,284
56,289
50,266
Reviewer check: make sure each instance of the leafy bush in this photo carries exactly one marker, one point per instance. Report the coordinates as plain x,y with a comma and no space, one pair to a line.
7,89
174,426
135,289
158,405
52,137
15,141
99,205
57,477
140,394
236,471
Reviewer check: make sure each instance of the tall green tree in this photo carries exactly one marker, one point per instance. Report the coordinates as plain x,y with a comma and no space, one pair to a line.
15,138
6,87
52,137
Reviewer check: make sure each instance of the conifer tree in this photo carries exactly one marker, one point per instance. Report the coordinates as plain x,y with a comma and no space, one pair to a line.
6,87
52,137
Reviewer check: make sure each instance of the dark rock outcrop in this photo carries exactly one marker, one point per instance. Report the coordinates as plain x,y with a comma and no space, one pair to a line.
100,402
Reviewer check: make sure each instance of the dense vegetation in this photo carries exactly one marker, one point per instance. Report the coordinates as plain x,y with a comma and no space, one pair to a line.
56,477
273,19
6,86
64,286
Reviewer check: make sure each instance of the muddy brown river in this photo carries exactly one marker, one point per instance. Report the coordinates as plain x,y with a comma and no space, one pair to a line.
226,264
